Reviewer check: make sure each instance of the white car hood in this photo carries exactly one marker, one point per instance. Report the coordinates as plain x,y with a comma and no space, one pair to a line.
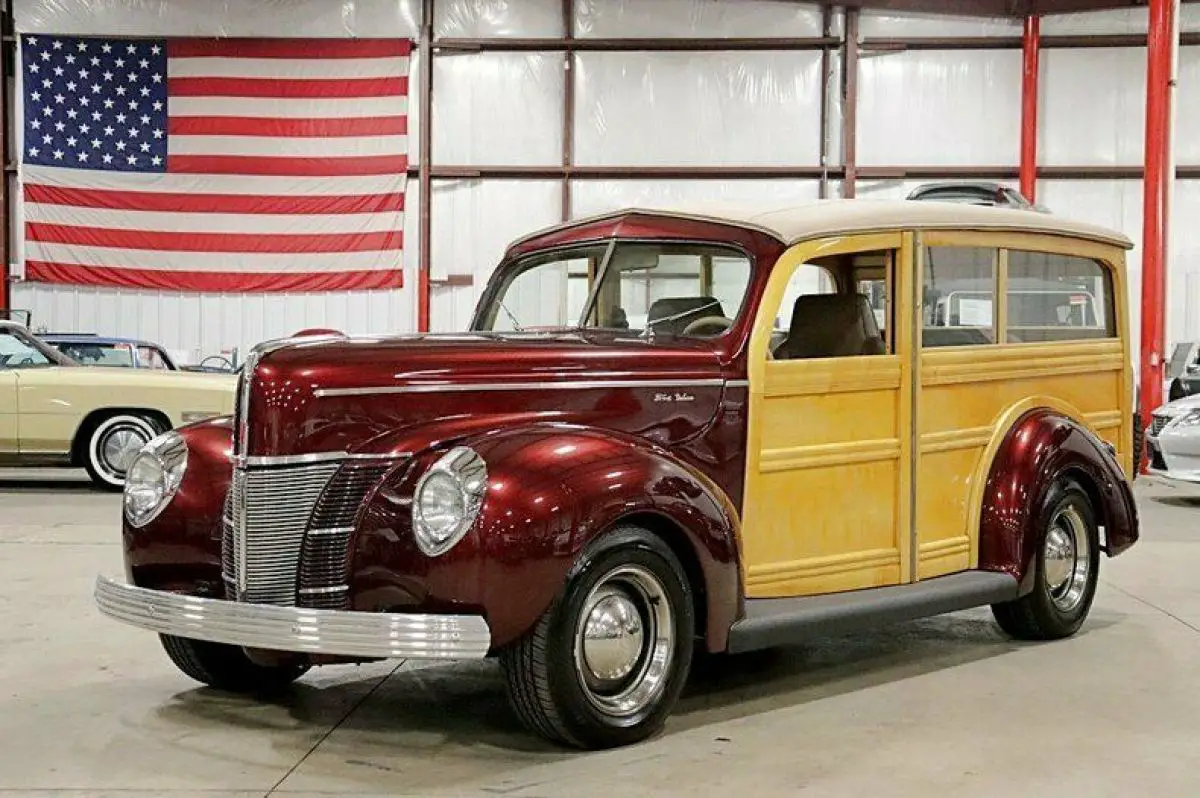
1180,405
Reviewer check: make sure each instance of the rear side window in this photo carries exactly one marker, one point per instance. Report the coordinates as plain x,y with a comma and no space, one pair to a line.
959,289
1054,297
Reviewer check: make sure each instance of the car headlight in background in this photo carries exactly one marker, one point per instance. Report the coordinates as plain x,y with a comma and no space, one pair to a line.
154,478
447,500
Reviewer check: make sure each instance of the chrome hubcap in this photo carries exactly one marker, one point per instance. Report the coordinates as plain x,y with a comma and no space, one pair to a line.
612,637
625,641
1067,560
120,447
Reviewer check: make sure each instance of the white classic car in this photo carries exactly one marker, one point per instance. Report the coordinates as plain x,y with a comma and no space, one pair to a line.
1173,440
56,412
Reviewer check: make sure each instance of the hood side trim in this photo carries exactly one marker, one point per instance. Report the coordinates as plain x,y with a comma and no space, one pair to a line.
518,386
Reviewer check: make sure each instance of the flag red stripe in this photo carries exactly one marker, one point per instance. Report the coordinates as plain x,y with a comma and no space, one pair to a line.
212,203
287,167
249,282
287,87
273,243
288,48
288,128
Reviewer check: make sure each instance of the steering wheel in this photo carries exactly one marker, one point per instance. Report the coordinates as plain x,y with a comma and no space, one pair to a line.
719,324
221,360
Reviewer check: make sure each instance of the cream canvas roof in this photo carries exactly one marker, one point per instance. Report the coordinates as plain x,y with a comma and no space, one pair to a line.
795,223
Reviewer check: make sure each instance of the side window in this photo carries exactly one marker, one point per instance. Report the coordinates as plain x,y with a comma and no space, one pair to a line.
1057,298
958,307
834,308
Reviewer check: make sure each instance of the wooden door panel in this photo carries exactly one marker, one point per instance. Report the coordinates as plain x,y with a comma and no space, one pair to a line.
828,486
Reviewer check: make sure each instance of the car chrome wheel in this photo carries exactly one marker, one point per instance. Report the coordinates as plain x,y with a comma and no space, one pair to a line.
624,641
1067,558
112,446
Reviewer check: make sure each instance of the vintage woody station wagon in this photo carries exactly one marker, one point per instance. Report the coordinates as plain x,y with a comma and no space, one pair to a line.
666,433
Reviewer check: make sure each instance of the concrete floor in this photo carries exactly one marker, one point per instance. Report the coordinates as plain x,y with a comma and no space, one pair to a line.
940,707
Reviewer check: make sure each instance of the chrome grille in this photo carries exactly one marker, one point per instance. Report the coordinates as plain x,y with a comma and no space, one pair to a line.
325,559
1159,421
270,508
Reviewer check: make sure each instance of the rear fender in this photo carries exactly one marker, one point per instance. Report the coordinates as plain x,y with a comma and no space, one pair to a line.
1041,446
553,488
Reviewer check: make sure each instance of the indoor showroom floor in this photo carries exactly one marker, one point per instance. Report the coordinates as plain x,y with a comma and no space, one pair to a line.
940,707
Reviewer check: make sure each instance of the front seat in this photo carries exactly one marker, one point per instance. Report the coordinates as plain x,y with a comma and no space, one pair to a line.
831,325
672,315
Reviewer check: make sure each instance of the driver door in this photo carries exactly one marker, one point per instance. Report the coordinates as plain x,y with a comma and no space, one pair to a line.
9,422
828,491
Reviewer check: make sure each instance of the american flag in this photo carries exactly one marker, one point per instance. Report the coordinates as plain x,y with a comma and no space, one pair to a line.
216,165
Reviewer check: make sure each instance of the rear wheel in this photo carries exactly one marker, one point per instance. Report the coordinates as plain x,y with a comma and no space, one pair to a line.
112,444
605,664
1066,570
227,667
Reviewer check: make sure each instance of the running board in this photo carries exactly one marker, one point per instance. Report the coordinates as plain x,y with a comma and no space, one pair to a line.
776,622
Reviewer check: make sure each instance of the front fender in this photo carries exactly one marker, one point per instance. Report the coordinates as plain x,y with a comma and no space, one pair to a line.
1042,445
554,488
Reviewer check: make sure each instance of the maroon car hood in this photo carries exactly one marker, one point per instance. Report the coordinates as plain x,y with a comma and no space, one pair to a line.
379,394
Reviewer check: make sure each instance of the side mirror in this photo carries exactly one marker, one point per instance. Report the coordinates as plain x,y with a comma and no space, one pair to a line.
1193,370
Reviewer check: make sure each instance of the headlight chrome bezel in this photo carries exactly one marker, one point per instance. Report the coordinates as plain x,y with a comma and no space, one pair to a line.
467,469
169,452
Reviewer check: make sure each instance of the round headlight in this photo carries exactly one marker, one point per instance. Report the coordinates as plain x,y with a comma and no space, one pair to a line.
154,478
447,500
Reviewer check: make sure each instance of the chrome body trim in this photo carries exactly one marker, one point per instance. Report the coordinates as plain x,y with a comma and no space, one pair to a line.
461,387
263,461
333,530
312,631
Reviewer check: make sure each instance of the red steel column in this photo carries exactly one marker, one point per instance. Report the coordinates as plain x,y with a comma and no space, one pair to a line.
1029,106
1154,211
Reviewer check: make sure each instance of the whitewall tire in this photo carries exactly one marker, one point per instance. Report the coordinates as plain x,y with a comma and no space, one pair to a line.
112,445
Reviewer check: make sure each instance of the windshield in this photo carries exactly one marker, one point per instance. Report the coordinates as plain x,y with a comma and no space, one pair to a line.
91,354
693,290
19,352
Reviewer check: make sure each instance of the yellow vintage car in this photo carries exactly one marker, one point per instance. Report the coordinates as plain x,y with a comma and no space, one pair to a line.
56,412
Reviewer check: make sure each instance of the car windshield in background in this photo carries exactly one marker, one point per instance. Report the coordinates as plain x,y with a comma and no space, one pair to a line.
89,354
17,353
646,288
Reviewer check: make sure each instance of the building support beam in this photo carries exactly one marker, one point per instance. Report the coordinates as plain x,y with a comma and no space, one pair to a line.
425,160
1030,79
850,105
1156,186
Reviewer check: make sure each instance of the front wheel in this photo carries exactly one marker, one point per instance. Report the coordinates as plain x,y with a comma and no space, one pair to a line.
227,667
1066,570
605,664
112,445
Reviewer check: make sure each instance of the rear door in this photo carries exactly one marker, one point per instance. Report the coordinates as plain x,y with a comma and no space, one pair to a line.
983,366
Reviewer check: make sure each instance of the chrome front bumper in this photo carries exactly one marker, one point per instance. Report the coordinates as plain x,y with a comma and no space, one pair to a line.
352,634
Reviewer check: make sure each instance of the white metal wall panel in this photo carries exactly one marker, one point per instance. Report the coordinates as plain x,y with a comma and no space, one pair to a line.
891,24
940,108
695,18
473,223
1116,21
704,109
600,196
1093,106
485,19
322,18
498,108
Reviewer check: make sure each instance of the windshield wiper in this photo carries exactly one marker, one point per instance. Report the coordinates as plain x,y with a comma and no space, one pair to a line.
511,317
